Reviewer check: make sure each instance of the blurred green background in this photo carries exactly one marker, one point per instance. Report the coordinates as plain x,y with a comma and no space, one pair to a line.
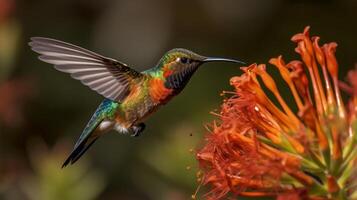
43,111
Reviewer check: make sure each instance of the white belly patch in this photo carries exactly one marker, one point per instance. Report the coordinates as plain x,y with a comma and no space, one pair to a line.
120,129
107,125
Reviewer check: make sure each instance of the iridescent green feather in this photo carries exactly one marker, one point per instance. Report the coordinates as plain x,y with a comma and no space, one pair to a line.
105,111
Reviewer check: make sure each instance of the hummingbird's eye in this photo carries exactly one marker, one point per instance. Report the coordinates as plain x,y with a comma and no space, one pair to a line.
184,60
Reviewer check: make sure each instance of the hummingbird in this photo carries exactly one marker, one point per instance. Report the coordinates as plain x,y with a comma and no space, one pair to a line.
129,96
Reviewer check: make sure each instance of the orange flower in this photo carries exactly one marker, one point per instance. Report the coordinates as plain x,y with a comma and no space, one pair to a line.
261,147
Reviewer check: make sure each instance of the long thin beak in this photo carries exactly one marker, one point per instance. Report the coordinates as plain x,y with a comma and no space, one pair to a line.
213,59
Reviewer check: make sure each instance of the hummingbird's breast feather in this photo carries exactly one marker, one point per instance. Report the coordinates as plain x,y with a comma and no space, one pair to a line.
144,99
158,92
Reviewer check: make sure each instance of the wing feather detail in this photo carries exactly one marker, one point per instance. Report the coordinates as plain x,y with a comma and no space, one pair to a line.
107,76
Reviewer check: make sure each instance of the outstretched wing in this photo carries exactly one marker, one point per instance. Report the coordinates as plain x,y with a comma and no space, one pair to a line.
106,76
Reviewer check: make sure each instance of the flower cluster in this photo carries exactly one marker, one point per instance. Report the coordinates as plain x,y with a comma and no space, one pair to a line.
261,146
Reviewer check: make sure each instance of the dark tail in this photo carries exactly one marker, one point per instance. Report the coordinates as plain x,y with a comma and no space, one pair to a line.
88,136
78,152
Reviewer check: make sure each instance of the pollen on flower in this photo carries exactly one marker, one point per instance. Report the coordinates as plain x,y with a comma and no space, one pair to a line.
260,146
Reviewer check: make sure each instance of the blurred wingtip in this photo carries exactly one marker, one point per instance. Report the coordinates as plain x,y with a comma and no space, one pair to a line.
34,41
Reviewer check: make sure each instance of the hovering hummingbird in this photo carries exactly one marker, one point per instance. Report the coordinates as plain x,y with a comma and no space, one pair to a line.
130,96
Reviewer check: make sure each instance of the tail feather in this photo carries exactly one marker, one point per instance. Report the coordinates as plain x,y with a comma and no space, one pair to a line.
89,134
83,151
78,152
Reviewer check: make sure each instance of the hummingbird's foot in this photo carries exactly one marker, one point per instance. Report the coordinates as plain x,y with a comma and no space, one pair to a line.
137,129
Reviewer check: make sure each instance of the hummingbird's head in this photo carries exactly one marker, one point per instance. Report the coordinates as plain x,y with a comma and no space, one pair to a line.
178,65
182,58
